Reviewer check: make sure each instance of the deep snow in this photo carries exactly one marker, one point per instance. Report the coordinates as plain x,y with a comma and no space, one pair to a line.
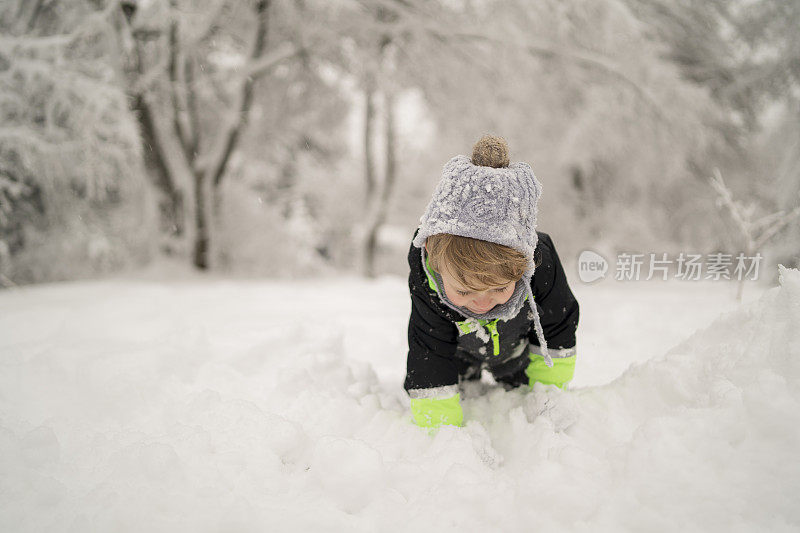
278,406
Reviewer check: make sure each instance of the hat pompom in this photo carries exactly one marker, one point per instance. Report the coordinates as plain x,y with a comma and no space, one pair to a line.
490,151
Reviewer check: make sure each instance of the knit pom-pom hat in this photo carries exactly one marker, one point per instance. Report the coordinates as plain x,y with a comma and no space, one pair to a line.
489,199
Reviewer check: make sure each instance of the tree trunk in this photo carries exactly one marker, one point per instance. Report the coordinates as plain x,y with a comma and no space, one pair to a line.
379,206
201,236
171,208
368,243
369,157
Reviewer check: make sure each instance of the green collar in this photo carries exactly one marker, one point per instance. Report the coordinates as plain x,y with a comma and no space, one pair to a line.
429,274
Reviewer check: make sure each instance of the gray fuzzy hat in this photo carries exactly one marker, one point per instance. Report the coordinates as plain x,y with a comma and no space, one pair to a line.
497,205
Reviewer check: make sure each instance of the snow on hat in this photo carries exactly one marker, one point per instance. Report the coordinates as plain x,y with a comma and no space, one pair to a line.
497,205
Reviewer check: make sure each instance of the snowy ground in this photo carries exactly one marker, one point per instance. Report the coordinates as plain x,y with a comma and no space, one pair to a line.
278,406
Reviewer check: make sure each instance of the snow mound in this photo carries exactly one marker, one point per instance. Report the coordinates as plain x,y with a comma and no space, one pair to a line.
168,425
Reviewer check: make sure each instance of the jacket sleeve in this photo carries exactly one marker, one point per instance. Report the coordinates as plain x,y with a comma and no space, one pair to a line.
431,372
559,312
431,377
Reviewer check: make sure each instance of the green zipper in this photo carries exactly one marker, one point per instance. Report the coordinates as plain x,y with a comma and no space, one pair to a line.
492,327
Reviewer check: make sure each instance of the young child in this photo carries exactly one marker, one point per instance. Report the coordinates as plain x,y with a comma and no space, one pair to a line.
481,278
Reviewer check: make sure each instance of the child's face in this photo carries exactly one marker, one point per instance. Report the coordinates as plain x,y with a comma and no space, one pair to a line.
478,302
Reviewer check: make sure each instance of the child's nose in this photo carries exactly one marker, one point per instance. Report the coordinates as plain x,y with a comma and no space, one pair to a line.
484,300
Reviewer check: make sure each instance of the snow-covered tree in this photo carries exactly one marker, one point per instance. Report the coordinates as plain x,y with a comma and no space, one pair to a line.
746,55
69,148
220,86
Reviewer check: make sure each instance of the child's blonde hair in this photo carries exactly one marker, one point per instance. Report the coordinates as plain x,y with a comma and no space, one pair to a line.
477,265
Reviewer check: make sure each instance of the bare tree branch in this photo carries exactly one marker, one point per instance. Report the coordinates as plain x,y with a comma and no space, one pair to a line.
191,105
146,80
28,21
152,144
175,99
263,65
230,136
577,57
777,227
726,197
257,67
413,17
755,233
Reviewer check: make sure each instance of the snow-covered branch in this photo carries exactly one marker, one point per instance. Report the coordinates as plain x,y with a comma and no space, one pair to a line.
97,21
415,17
736,210
755,233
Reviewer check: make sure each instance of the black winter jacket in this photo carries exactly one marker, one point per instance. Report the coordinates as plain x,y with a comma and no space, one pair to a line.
439,350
